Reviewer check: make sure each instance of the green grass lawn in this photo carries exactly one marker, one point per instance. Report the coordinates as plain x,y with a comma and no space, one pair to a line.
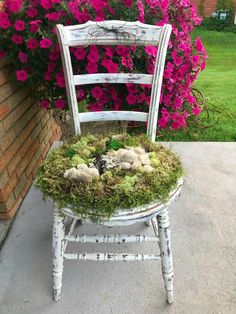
218,84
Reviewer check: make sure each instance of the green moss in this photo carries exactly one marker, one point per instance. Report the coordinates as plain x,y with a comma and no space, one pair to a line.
115,188
77,160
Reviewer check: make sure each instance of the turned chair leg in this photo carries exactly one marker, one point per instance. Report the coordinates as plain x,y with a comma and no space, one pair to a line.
166,254
58,251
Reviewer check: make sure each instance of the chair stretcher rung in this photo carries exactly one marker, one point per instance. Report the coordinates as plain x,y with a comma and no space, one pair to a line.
112,257
83,238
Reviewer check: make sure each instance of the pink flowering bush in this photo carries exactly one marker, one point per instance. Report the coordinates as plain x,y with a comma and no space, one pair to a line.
29,43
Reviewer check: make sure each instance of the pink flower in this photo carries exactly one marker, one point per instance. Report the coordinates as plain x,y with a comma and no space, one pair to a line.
4,20
141,11
203,65
80,53
17,39
99,4
54,16
131,99
13,5
51,67
177,60
21,75
109,52
32,43
151,51
34,26
46,4
45,43
93,57
127,62
60,103
2,54
44,104
196,110
117,103
19,25
128,3
95,107
60,80
111,66
22,57
122,51
47,76
97,92
31,12
195,60
199,45
81,94
54,54
91,68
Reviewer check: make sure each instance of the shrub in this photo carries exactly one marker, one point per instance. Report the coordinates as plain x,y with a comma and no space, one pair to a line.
214,24
29,43
225,5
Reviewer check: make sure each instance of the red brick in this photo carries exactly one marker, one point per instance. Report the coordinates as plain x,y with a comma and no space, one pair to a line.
4,177
17,112
26,188
4,110
30,167
21,166
36,167
14,163
7,139
46,149
8,89
8,188
11,212
21,184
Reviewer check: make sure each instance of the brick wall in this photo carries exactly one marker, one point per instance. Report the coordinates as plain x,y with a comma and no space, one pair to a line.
26,134
209,5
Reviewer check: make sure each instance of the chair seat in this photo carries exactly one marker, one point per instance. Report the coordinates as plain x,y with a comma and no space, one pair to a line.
124,215
136,214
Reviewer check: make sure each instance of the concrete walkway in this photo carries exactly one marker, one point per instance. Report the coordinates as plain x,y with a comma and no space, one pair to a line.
204,246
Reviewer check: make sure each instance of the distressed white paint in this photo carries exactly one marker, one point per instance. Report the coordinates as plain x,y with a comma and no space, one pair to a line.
114,33
102,33
117,238
166,254
57,252
112,257
114,78
113,116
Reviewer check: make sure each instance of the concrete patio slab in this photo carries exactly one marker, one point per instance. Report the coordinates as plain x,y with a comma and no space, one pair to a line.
204,246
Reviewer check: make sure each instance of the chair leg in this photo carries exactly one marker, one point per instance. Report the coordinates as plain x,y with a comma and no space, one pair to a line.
166,254
58,251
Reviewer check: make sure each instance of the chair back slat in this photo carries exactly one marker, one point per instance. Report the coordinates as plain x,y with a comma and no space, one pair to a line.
113,116
119,78
114,33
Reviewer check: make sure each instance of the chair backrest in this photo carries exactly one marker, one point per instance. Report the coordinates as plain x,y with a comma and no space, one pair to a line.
114,33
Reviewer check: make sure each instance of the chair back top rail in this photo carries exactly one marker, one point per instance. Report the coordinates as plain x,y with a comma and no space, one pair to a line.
114,32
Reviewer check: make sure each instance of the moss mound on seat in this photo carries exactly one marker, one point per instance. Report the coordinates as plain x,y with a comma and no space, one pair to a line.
95,175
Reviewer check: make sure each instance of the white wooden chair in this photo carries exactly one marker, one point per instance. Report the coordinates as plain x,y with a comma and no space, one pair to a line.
155,214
